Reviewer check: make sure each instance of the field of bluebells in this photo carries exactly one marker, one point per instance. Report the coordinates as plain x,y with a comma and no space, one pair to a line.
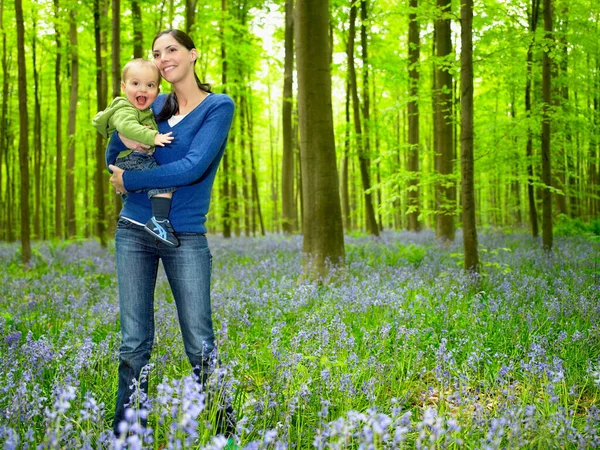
399,350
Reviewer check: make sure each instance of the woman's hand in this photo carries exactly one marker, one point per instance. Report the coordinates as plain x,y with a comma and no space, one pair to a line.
133,145
117,179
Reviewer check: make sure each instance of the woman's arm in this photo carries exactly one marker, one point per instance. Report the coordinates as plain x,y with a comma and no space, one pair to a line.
204,148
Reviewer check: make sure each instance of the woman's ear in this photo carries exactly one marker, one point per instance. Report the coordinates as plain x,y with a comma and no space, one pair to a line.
194,54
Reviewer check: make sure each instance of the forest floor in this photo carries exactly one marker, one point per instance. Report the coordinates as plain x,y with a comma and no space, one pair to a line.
400,349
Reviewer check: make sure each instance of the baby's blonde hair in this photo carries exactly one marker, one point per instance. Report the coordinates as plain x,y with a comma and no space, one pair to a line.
139,62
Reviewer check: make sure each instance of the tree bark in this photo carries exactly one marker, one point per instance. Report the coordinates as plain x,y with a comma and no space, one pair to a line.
288,203
23,135
466,138
322,218
345,195
116,84
71,123
101,91
3,130
138,29
253,177
37,138
225,186
361,138
535,8
546,131
58,186
446,195
413,118
190,15
245,182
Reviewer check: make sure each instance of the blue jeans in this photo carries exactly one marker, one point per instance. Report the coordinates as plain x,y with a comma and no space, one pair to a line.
188,270
142,161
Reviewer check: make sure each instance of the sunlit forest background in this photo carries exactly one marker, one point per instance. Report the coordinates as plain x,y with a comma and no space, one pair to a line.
74,50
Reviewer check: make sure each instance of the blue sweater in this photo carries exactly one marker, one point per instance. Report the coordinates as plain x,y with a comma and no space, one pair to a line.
189,163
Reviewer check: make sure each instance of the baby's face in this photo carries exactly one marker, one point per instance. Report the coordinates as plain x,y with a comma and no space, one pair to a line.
141,87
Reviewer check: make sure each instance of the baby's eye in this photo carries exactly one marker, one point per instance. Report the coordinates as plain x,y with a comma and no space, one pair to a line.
135,83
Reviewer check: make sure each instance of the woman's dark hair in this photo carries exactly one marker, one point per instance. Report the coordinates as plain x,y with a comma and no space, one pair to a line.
171,105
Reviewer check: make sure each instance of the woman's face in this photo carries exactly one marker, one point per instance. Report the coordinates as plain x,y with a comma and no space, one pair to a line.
174,61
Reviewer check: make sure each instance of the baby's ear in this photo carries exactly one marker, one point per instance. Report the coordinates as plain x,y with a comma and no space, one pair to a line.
123,86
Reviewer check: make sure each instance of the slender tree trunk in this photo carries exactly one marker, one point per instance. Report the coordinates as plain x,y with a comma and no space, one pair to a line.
247,200
254,178
322,216
413,118
116,85
345,196
546,132
138,29
566,203
70,190
23,135
3,128
366,113
37,137
363,157
443,116
58,186
101,90
535,8
225,186
466,138
190,15
287,168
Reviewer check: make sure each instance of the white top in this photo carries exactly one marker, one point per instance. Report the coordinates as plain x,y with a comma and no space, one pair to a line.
174,120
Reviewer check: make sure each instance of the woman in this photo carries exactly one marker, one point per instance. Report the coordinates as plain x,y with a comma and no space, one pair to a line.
200,123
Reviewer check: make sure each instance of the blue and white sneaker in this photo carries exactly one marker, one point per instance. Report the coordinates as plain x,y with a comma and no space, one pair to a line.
163,231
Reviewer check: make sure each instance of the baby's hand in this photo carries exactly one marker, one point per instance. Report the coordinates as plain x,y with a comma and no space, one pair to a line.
162,139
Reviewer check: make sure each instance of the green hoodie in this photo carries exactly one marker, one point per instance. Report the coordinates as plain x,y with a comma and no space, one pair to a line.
125,118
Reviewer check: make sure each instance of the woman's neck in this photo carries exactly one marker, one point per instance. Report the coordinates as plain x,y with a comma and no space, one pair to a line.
189,95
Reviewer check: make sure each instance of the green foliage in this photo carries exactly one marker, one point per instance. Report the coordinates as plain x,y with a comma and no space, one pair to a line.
566,226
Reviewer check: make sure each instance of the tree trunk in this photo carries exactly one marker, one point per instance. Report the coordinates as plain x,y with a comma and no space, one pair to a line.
58,186
288,203
345,195
446,195
101,91
37,138
23,136
546,135
361,139
413,118
225,187
466,138
535,8
71,139
190,15
116,85
567,203
592,170
254,178
245,197
138,29
3,130
322,217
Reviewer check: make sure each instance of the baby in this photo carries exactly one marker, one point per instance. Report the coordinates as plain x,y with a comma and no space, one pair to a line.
133,118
